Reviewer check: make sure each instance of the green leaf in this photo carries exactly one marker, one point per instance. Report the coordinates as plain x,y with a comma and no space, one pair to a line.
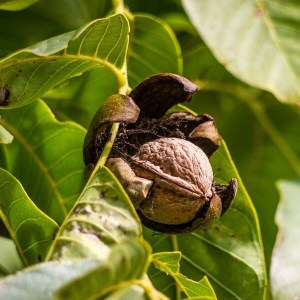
127,262
285,266
102,217
225,28
15,5
79,279
153,49
229,252
267,136
168,262
29,73
41,281
5,136
45,19
31,230
255,150
79,98
46,156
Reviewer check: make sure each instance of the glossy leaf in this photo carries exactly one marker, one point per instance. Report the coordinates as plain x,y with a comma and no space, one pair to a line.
261,54
14,5
102,217
153,49
5,136
29,73
46,156
228,252
286,257
168,262
31,230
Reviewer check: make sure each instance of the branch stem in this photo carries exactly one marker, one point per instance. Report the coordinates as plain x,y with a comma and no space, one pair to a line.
106,150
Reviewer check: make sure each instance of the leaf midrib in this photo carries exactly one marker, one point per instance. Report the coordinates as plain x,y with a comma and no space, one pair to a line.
102,62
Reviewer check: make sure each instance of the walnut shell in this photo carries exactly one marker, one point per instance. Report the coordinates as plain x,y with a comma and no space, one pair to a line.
178,162
182,177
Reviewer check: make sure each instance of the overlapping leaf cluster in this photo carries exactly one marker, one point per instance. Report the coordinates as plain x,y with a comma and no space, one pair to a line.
90,232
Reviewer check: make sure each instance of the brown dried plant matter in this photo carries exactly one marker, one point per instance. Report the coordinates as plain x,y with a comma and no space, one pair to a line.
162,161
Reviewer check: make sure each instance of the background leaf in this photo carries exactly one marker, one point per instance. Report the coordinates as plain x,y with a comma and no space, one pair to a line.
16,4
259,131
31,230
286,258
261,54
79,98
153,49
45,19
99,43
228,252
46,156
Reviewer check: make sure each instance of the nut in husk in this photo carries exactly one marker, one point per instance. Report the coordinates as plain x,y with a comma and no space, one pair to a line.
162,161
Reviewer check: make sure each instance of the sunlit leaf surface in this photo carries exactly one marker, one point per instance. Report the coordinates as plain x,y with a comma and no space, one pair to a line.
79,279
127,261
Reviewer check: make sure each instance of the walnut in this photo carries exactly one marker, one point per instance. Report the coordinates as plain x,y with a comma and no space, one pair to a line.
162,161
170,182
